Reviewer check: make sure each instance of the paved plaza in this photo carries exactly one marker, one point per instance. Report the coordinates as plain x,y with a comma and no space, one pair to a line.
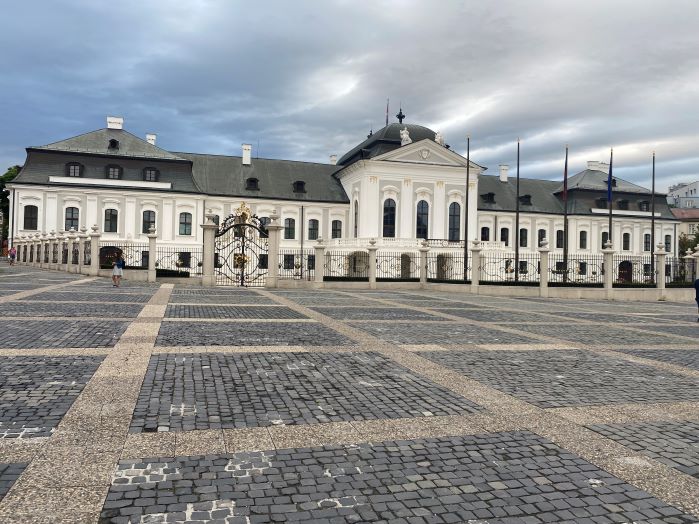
160,403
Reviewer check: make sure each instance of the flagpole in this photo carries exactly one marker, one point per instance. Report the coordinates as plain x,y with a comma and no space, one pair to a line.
565,218
609,193
517,239
652,223
387,101
468,168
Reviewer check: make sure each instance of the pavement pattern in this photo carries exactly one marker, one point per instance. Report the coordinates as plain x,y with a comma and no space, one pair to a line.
157,403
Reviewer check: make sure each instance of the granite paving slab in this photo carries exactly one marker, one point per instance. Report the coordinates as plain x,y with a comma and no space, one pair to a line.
24,334
248,311
675,444
685,330
499,478
77,296
230,298
598,334
202,333
214,390
494,315
552,379
443,333
9,473
35,392
67,309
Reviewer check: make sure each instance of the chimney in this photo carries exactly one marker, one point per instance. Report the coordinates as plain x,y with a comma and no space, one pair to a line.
247,153
503,172
150,138
333,160
115,122
595,165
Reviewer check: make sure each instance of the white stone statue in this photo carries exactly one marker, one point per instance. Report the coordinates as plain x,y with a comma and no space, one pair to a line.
405,137
439,138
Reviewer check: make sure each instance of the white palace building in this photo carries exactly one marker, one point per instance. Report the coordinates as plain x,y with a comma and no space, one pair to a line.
398,186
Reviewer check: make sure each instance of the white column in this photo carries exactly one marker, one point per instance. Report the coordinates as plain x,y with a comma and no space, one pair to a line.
608,253
406,210
372,263
439,213
544,268
424,249
208,278
319,271
94,251
274,229
476,249
153,254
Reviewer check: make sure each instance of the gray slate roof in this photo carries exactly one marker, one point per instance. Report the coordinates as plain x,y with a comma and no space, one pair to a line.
542,192
226,175
597,180
384,140
97,142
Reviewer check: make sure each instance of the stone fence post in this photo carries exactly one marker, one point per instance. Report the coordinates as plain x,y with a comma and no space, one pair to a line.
659,276
33,243
319,271
274,230
69,268
424,249
608,252
42,247
18,245
208,276
372,264
51,242
61,237
82,241
94,251
544,250
153,254
476,249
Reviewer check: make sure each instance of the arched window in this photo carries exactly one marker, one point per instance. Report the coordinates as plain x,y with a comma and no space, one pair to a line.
626,242
559,239
454,222
113,172
185,223
523,237
583,240
540,235
356,218
74,169
150,174
31,217
422,222
289,228
111,220
485,234
646,242
505,235
313,229
148,221
389,218
605,238
72,218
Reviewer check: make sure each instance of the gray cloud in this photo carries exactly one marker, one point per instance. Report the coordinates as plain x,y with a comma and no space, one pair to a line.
307,79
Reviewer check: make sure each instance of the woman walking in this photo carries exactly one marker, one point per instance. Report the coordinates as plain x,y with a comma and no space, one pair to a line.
118,271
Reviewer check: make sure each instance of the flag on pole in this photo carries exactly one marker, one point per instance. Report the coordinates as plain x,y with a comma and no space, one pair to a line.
609,177
565,180
387,100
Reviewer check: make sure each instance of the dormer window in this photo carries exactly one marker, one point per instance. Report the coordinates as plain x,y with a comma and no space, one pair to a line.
613,182
252,184
623,204
601,203
113,172
644,206
525,200
150,174
488,198
113,144
74,169
299,186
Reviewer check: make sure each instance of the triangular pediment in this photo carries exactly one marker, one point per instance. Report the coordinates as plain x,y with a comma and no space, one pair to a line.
426,152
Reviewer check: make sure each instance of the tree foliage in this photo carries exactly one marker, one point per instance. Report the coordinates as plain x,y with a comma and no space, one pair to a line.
688,243
9,175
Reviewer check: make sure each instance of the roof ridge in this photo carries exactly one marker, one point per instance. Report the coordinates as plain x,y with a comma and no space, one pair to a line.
257,158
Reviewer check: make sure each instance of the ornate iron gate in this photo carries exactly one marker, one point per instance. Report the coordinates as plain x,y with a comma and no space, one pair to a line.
241,250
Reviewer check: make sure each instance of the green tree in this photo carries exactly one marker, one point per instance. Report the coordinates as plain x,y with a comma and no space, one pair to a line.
9,175
687,243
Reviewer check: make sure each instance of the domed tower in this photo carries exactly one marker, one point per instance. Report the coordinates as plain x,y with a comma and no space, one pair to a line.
404,182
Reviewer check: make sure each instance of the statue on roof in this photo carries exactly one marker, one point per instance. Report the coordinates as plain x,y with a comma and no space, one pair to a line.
439,138
405,137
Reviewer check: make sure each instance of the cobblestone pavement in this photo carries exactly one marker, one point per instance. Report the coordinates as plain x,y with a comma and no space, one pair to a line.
673,443
261,389
157,403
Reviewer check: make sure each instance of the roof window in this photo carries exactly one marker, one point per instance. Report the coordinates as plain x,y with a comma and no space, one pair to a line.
299,186
252,184
488,198
623,204
525,200
113,143
150,174
74,169
644,205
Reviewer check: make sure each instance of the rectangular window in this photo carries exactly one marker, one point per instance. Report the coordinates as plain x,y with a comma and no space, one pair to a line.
583,240
337,229
313,229
646,270
485,234
646,242
311,262
289,229
31,217
185,223
144,258
559,239
110,220
582,268
113,172
184,259
289,261
148,221
505,236
668,243
523,240
523,267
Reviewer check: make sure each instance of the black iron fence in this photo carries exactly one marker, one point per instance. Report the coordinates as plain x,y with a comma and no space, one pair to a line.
344,265
633,270
397,266
577,270
499,268
87,253
448,267
54,253
177,261
64,252
135,255
680,272
295,264
75,255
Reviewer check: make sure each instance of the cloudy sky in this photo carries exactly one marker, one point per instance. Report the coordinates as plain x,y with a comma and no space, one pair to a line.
309,78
